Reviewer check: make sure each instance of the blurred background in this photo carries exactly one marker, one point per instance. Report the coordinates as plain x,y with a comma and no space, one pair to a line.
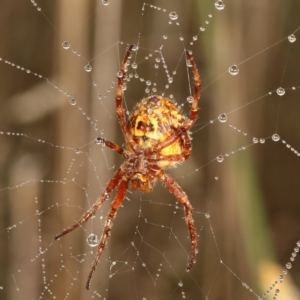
246,208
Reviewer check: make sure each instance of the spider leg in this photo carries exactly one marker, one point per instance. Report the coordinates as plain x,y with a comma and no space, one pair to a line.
175,189
115,147
119,108
197,90
186,151
187,125
104,195
120,195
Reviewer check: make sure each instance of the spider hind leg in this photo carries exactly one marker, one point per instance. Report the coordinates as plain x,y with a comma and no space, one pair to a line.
120,195
175,189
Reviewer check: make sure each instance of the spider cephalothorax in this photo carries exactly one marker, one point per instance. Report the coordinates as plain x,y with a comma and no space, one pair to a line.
157,137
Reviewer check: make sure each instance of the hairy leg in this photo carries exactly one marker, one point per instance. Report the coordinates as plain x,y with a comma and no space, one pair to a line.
175,189
187,125
120,195
89,213
114,147
120,109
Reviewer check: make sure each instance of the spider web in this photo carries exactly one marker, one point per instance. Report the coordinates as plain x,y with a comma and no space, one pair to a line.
58,79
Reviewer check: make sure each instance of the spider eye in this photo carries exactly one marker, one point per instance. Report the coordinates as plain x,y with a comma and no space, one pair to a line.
145,138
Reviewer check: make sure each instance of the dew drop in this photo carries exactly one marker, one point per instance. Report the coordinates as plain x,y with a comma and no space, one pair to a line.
135,48
292,38
280,91
165,37
275,137
255,140
262,141
219,5
207,215
77,151
190,99
288,265
202,28
170,79
99,141
222,118
173,15
233,70
88,68
189,63
105,2
148,82
220,158
92,240
66,45
119,74
134,65
73,101
180,283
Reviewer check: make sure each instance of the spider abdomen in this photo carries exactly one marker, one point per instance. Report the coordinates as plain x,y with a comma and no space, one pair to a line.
153,120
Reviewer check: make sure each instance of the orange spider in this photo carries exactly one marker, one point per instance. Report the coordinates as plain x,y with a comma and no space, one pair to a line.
157,136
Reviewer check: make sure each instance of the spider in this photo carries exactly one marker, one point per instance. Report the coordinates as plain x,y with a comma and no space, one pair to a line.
157,136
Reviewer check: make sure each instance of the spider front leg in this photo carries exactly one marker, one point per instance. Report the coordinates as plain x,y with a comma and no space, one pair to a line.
114,147
175,189
104,195
120,195
119,107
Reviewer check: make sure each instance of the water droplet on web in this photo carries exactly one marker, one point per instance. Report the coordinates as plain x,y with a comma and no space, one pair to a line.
165,37
66,45
99,141
298,243
73,101
288,265
88,68
255,140
173,15
180,283
170,79
92,240
222,118
275,137
262,141
207,215
292,38
202,28
189,63
220,158
280,91
105,2
148,82
134,65
77,151
190,99
135,48
219,5
233,70
119,74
